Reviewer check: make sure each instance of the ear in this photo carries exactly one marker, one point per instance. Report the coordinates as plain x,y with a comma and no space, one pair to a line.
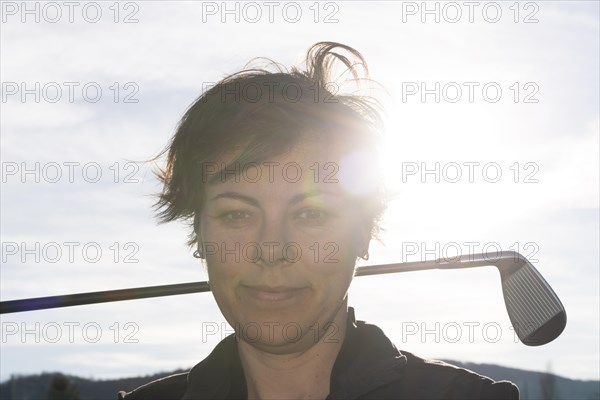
199,253
363,240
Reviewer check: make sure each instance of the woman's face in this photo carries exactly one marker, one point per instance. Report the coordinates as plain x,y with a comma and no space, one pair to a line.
280,240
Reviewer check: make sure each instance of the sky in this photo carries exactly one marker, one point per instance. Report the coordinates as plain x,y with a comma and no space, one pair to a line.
492,141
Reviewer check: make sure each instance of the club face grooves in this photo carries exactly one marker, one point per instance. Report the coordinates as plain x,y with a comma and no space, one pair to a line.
536,313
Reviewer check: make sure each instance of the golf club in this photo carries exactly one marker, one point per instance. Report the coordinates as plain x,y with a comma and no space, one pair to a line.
536,313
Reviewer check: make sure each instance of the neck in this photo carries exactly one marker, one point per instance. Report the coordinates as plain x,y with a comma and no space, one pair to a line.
303,374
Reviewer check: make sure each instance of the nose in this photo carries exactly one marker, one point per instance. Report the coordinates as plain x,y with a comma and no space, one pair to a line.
272,241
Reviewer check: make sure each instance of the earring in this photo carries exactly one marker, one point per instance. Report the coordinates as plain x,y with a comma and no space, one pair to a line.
198,253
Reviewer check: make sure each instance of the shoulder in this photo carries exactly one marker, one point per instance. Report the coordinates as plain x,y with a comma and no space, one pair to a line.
406,376
172,387
208,374
438,378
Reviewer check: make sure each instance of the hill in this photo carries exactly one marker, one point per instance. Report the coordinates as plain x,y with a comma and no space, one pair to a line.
537,385
531,384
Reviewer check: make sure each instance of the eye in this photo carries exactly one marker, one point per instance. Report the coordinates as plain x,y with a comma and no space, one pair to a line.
235,218
236,214
312,216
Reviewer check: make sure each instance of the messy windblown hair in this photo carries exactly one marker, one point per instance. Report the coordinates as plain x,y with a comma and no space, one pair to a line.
265,113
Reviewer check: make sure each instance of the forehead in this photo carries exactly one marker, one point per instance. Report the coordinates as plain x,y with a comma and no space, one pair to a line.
308,161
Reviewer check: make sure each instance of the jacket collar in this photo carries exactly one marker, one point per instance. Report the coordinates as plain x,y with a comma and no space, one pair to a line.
367,360
218,376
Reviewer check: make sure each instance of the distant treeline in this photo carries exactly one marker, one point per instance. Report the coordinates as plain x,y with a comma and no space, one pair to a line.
537,385
56,386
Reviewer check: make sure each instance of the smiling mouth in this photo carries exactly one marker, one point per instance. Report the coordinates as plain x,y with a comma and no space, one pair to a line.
275,294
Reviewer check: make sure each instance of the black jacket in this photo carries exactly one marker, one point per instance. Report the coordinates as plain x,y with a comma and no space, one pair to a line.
368,367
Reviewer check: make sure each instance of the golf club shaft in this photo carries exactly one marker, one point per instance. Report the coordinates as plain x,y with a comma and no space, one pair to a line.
42,303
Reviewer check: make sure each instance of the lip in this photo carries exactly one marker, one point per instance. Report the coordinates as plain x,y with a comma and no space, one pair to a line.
273,294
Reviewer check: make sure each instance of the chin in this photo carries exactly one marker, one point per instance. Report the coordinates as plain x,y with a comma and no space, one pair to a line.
280,341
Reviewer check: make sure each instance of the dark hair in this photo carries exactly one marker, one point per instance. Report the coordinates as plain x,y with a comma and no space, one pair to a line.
263,114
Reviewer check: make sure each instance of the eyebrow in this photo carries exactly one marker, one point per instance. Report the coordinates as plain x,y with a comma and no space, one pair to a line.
303,196
236,196
253,202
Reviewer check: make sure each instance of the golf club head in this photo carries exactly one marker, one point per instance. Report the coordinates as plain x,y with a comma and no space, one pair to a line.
536,313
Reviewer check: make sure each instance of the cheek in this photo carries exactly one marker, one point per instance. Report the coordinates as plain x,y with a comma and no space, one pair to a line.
222,274
337,247
331,263
223,281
